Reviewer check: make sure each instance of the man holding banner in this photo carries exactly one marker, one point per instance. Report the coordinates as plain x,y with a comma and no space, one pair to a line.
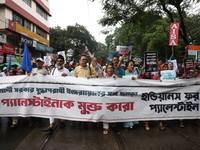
60,70
86,72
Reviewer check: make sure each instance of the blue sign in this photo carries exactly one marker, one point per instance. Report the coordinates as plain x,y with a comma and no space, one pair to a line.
44,48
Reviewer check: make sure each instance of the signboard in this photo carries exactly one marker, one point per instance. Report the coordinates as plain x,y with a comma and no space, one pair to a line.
47,60
54,57
28,41
151,62
188,65
124,49
26,32
12,58
70,53
7,49
44,48
173,37
137,61
2,38
167,75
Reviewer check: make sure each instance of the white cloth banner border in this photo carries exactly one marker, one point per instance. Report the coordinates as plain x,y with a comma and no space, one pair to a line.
99,100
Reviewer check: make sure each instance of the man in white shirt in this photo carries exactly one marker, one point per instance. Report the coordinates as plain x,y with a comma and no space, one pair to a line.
59,70
39,70
3,74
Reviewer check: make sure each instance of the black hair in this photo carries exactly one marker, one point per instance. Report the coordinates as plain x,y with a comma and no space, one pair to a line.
126,65
83,55
116,56
14,72
22,70
109,64
60,57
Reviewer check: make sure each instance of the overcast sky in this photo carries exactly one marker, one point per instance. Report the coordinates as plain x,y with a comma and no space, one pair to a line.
83,12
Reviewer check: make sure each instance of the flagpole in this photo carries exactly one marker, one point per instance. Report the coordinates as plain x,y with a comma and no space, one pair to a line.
172,52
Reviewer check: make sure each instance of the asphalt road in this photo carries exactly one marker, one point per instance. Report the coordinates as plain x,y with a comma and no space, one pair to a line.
74,137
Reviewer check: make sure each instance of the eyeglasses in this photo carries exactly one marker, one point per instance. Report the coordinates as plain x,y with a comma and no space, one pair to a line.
84,59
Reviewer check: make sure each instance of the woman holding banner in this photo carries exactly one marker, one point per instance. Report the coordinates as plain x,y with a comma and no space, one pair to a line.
132,72
109,73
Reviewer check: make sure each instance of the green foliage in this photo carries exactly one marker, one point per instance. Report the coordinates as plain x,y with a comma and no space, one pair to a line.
145,25
75,37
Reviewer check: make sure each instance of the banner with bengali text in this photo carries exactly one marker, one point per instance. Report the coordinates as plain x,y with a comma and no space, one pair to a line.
99,99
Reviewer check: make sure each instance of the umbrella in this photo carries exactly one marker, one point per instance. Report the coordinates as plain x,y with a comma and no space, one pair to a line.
12,64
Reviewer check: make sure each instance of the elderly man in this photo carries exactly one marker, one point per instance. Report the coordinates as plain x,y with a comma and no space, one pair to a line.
39,70
59,70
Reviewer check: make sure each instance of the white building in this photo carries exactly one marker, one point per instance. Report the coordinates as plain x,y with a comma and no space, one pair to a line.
24,21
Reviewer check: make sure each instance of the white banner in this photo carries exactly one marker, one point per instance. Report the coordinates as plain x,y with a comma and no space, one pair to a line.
124,49
47,60
96,100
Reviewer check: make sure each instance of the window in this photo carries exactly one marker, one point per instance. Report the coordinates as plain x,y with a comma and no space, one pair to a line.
41,32
41,12
17,19
28,2
27,24
22,21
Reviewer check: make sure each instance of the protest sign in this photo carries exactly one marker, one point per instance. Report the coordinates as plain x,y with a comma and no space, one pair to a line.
151,61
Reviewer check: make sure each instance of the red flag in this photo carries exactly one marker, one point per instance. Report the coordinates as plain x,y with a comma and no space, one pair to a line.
101,62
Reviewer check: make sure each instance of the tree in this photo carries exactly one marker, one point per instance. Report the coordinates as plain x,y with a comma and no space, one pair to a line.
146,12
74,37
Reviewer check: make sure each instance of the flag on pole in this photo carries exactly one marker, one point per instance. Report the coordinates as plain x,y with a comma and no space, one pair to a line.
101,62
26,60
9,63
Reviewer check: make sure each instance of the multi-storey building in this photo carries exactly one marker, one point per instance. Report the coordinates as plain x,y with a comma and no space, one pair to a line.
24,21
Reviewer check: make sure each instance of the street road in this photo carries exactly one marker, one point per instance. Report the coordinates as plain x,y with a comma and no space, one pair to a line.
74,137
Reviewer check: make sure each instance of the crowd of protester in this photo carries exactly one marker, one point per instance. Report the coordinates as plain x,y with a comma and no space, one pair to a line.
91,69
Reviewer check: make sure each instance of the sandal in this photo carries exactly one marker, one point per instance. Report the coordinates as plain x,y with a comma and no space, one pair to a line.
146,127
105,131
162,128
13,126
181,124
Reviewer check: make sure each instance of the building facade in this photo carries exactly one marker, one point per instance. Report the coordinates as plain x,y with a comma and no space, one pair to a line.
24,21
